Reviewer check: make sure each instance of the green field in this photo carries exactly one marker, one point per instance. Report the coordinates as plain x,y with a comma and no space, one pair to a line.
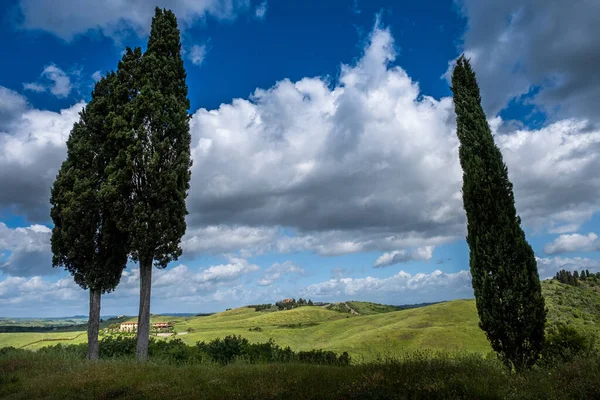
379,332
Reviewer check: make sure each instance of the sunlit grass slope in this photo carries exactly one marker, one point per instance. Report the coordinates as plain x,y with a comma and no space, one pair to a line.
450,326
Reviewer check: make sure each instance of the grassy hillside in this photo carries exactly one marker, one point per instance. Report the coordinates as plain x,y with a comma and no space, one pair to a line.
575,306
377,332
450,326
367,308
36,340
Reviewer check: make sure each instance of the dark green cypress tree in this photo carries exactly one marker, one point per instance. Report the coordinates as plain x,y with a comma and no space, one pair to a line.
86,238
503,267
158,158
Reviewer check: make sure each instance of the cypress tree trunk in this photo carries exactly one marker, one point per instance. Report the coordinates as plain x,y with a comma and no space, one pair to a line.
94,324
143,333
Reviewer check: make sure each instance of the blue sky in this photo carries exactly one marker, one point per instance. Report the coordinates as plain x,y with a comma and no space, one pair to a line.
325,156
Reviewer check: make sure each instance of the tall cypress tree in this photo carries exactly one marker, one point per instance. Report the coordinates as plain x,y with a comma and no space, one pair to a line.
503,267
86,238
158,157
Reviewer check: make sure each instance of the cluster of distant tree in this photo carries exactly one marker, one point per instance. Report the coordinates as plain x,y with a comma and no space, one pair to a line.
288,304
573,278
281,305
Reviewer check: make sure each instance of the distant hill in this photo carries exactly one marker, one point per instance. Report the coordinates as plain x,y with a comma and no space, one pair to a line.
370,331
368,308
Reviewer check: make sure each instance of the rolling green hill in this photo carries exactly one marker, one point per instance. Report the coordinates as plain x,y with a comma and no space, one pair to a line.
372,331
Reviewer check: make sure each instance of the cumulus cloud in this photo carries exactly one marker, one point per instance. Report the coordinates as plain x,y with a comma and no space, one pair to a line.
401,288
187,287
277,270
96,76
28,249
542,50
261,10
16,291
344,162
364,163
198,54
572,243
404,256
68,18
548,267
54,80
324,160
31,152
12,106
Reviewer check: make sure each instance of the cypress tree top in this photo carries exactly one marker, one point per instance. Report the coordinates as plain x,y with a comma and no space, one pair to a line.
160,147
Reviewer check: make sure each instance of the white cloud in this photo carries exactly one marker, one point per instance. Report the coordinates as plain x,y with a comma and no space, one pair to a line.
29,250
331,167
548,267
18,291
117,18
401,288
96,76
224,239
34,87
277,270
186,288
31,152
403,256
54,80
342,166
12,105
226,272
261,10
198,54
572,243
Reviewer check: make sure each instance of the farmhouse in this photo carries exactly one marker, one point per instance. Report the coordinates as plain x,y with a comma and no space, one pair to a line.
128,326
161,325
132,326
288,301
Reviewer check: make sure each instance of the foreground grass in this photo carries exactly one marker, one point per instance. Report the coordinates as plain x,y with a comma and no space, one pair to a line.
27,375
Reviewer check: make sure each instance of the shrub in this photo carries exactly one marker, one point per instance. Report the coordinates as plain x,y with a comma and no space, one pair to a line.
565,343
225,350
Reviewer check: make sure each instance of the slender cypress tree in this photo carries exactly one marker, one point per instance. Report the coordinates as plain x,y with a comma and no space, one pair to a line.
503,267
158,157
86,239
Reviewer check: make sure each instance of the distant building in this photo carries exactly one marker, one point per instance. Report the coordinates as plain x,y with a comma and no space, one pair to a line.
128,326
132,326
161,325
288,301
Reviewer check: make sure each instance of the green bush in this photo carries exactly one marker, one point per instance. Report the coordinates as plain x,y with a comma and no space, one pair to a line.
565,343
225,351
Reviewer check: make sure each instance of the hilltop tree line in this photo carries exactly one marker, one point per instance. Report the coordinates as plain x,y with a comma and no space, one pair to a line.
574,278
120,194
283,305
